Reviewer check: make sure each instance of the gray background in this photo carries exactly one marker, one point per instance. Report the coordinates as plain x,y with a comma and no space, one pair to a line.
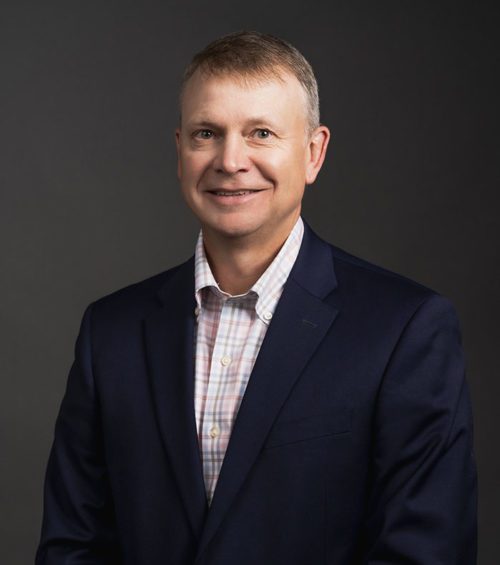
89,199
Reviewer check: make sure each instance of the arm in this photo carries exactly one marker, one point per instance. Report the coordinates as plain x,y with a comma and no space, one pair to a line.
423,504
78,523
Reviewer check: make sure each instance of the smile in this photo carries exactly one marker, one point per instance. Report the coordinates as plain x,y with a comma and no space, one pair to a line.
233,196
232,192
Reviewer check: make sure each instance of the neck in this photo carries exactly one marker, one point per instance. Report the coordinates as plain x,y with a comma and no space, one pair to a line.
238,263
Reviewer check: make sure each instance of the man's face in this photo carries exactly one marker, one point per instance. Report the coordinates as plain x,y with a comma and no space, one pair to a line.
244,156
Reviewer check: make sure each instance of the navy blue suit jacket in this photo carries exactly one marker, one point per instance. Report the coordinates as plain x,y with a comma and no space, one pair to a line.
353,443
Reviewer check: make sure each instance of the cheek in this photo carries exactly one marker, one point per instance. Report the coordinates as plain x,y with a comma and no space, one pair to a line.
272,166
192,166
297,169
291,177
287,167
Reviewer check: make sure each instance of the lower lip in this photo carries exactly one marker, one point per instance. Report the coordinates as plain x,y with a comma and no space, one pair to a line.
234,199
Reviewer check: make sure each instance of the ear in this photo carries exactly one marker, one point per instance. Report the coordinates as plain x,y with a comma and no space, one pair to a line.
177,144
316,151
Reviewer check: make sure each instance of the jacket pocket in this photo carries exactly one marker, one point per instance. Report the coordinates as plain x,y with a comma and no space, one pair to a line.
338,421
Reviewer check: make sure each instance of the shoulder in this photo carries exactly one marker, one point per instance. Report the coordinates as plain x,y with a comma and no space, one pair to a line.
382,310
354,278
374,290
351,268
135,300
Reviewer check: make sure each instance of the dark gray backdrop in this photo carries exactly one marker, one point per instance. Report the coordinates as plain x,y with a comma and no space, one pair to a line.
89,200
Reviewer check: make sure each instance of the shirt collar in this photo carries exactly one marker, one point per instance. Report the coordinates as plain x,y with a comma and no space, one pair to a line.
268,288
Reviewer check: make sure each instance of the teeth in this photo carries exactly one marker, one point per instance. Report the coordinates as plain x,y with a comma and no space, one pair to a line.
239,193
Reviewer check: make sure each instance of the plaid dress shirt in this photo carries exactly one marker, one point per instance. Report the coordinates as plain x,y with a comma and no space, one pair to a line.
230,331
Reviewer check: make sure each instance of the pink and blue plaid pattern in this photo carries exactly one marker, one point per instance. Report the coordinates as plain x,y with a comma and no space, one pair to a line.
229,334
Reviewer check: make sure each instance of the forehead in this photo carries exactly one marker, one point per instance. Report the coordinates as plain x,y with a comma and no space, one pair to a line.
229,97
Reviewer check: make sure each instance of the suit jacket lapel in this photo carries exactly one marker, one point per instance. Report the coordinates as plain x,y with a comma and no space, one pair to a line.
299,324
170,336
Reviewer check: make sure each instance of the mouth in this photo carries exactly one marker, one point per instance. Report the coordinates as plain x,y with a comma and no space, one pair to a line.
229,197
231,193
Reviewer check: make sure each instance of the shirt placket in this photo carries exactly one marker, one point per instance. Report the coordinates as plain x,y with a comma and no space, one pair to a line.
218,411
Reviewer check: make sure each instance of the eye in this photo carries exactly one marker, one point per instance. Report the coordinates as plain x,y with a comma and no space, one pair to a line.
263,133
204,134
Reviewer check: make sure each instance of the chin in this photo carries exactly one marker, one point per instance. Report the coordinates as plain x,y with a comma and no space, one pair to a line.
233,229
235,232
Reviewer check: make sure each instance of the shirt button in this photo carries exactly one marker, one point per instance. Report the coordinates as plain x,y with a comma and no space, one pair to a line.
226,360
214,431
268,315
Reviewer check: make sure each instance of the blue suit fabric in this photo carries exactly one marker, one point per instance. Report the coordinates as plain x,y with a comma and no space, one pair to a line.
352,445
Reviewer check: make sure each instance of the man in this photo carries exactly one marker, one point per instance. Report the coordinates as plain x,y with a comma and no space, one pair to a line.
273,400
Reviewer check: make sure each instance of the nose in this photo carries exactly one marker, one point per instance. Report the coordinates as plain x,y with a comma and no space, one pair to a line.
232,156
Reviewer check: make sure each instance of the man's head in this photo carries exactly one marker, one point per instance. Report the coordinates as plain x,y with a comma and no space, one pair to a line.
249,123
249,55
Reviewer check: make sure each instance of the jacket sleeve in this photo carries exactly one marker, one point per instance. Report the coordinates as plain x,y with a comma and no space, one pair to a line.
78,523
422,508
